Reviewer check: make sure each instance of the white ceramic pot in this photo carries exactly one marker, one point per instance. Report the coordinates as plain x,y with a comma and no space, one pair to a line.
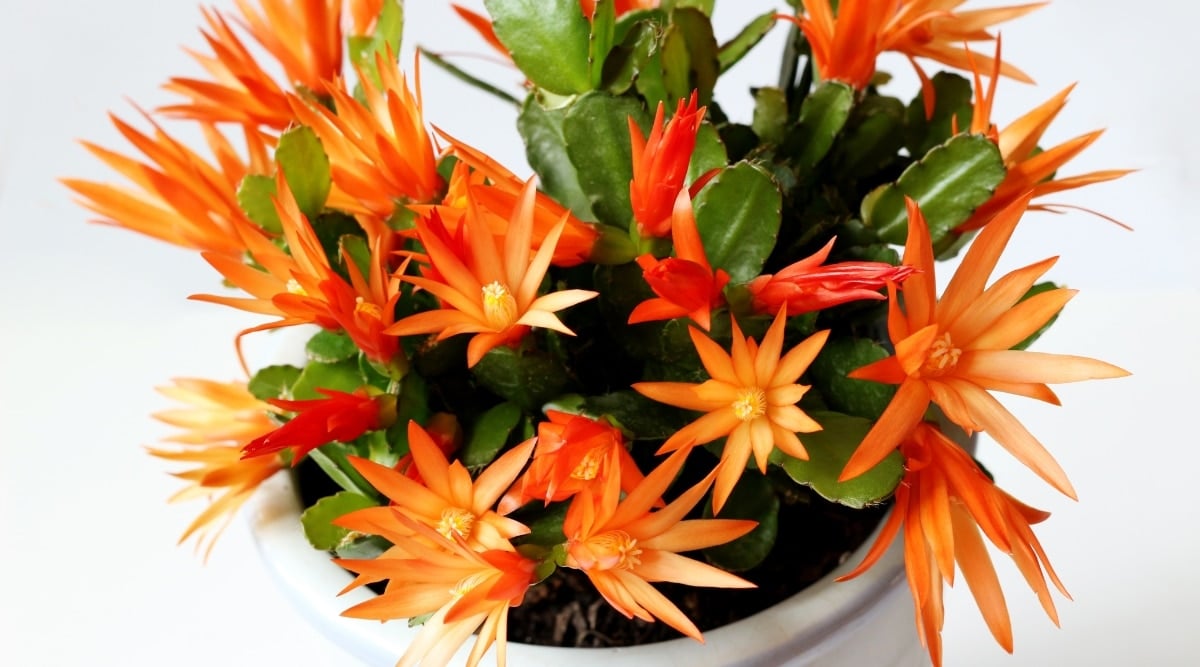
865,622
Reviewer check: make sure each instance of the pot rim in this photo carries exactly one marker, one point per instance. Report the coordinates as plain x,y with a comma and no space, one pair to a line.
824,614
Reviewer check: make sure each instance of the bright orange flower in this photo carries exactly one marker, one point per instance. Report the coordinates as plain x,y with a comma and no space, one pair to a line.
304,36
445,432
339,417
447,501
180,197
299,286
1029,168
379,152
953,351
686,284
241,90
463,590
660,164
219,419
845,46
750,399
942,504
498,191
573,452
364,14
486,290
622,546
807,286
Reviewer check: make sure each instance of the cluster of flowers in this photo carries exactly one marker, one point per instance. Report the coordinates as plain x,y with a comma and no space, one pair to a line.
448,393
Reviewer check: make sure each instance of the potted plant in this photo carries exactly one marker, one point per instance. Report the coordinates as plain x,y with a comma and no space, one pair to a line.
645,372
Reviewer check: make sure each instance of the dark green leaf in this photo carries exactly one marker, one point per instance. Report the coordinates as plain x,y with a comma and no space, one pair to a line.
341,376
489,434
828,452
872,139
528,379
952,105
361,547
546,149
732,51
273,382
318,519
738,215
637,415
753,498
306,168
545,523
256,198
600,41
596,130
839,356
770,114
331,458
822,116
949,183
355,249
548,40
630,56
699,67
708,154
330,347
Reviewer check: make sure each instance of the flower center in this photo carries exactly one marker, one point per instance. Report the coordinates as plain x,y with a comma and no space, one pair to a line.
499,306
589,467
455,521
364,308
943,356
294,287
615,550
751,403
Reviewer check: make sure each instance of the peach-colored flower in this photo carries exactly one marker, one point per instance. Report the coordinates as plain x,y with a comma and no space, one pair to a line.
219,418
954,350
750,399
942,504
622,546
446,500
462,591
178,196
1027,166
487,290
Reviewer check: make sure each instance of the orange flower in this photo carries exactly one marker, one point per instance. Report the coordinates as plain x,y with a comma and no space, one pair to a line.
219,419
486,291
942,503
304,36
953,351
498,191
181,198
241,90
463,591
750,399
622,546
339,417
686,284
845,46
447,501
379,151
1028,168
806,285
660,164
366,307
573,452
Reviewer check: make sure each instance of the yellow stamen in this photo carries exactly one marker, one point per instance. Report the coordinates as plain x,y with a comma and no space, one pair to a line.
943,356
589,467
294,287
750,404
615,550
466,584
456,521
499,306
364,308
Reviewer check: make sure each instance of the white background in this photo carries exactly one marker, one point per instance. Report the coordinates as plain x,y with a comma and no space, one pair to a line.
92,318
